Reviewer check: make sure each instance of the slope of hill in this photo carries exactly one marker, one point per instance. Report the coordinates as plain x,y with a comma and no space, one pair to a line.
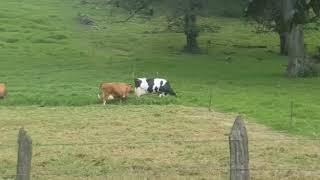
49,59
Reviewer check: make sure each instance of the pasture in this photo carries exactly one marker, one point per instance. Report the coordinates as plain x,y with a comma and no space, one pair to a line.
53,65
162,142
49,59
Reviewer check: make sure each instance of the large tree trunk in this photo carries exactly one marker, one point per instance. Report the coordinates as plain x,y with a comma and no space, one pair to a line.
284,37
284,27
298,65
191,31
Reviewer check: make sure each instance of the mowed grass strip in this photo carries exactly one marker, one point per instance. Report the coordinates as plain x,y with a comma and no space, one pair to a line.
146,141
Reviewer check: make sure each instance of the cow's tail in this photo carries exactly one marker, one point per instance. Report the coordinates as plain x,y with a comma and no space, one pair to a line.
100,91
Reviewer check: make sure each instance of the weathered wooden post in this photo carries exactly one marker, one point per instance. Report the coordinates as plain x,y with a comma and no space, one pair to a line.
239,154
210,100
24,155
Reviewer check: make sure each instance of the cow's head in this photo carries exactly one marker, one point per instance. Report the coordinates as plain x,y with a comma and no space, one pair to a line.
137,82
129,88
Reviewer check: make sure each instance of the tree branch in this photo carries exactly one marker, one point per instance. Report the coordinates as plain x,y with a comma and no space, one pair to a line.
136,11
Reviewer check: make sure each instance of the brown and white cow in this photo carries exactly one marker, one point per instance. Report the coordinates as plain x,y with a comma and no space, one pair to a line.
3,91
114,90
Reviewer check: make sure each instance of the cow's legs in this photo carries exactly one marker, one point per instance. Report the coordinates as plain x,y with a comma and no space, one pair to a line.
162,94
105,97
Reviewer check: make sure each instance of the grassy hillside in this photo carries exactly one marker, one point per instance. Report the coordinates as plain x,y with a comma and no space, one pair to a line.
49,59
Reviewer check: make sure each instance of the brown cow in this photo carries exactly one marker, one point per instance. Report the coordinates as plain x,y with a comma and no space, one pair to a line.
3,91
114,90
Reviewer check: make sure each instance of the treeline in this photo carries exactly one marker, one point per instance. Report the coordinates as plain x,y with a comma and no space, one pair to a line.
285,17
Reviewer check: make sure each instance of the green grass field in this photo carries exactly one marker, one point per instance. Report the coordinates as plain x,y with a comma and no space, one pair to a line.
52,66
49,59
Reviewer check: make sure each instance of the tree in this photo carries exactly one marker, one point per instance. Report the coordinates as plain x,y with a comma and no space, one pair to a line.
135,7
268,14
289,17
188,10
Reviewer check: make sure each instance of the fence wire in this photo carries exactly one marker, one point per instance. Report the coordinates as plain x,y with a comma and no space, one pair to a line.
160,142
213,171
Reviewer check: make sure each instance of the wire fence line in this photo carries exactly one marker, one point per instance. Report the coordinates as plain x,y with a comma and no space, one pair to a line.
162,142
237,141
224,170
216,169
117,143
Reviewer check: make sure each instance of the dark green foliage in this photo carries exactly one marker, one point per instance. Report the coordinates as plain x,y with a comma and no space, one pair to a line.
285,17
135,6
315,5
301,14
268,12
317,56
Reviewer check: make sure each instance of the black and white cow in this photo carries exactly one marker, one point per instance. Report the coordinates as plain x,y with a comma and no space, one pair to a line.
153,85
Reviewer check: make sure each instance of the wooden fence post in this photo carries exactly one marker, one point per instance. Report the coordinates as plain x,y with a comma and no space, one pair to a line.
239,154
24,155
